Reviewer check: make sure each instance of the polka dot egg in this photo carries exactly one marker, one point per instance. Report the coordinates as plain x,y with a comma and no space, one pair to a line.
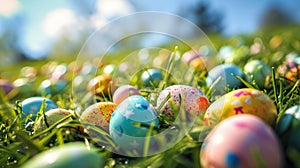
194,100
241,101
130,123
99,114
241,141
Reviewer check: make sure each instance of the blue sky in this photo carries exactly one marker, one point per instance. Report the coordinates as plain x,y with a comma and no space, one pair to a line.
238,16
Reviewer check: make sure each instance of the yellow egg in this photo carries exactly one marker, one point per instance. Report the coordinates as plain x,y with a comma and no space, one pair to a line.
241,101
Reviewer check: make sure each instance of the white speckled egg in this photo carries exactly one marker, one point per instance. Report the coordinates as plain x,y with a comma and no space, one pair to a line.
241,141
123,92
99,114
52,116
194,100
130,123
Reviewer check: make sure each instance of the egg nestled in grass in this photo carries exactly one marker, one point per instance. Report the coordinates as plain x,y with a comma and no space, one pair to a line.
33,105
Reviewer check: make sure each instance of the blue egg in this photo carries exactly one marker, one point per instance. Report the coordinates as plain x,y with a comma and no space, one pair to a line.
222,77
130,123
49,88
151,77
33,105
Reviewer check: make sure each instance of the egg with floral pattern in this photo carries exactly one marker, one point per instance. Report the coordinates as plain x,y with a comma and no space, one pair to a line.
241,101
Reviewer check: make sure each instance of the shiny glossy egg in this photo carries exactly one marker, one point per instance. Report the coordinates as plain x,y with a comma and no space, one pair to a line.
151,77
102,84
52,116
241,101
73,154
194,101
99,114
241,141
33,105
47,87
259,72
221,77
288,127
131,122
123,92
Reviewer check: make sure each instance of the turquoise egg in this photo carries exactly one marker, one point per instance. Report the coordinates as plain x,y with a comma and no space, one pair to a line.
288,127
33,105
151,77
222,77
48,87
259,72
73,154
131,122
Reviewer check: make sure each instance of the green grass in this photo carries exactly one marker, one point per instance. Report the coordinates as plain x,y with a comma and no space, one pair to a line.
18,143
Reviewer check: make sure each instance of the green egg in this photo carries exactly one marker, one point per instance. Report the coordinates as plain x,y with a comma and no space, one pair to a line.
259,72
73,155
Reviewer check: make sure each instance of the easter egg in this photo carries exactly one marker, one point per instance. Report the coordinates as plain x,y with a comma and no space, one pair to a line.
288,127
123,92
290,68
47,87
99,114
5,86
221,77
241,141
194,100
241,101
34,104
131,122
151,77
102,84
52,116
259,72
188,56
73,154
24,87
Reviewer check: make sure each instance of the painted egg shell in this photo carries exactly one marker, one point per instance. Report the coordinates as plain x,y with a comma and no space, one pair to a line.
73,154
188,56
291,67
194,100
99,114
129,123
52,116
33,105
259,72
5,86
24,87
123,92
241,101
241,141
221,77
288,127
151,77
102,84
48,87
199,64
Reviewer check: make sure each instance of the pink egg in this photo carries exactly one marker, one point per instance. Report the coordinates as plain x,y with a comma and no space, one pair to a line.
123,92
241,141
194,100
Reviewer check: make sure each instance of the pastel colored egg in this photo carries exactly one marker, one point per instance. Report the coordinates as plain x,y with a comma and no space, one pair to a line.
99,114
241,141
34,104
24,86
131,122
5,86
194,100
102,84
241,101
52,116
221,77
288,127
123,92
73,154
151,77
47,87
259,72
188,56
290,68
